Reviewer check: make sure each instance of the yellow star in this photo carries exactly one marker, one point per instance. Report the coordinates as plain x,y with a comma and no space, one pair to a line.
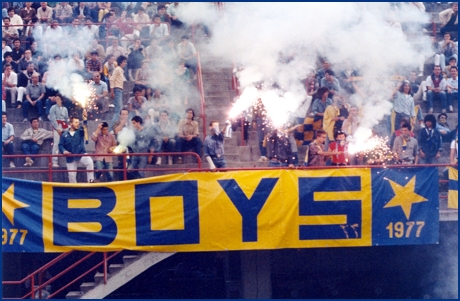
9,204
404,196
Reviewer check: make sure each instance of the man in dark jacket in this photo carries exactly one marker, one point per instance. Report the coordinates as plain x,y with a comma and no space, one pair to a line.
72,142
429,141
279,150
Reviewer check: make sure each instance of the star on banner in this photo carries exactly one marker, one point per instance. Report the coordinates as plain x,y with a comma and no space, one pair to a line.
405,196
9,204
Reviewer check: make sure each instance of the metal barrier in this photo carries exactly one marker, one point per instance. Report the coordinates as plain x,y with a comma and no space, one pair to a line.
41,271
50,170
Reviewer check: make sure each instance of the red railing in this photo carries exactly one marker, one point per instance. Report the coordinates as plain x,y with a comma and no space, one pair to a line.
200,86
41,271
49,168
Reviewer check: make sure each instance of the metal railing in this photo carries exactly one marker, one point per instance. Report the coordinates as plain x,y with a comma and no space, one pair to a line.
40,272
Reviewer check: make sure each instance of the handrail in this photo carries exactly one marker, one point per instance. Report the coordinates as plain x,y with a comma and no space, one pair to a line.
201,90
124,155
46,266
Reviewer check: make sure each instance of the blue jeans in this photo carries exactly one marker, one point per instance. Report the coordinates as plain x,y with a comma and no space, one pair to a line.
219,162
183,145
29,147
450,97
26,105
118,103
101,165
137,162
430,95
277,164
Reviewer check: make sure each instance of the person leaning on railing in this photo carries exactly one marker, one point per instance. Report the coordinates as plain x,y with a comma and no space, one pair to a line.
32,139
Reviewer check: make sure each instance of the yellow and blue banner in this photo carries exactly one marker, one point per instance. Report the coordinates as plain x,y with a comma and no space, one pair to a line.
216,211
452,196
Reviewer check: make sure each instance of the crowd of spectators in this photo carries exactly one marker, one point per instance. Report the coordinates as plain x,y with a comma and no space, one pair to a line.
146,44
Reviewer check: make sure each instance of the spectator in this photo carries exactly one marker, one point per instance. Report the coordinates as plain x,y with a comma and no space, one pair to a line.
158,30
72,142
188,135
452,87
449,19
352,123
109,29
9,61
28,14
5,48
158,102
186,51
115,50
103,8
76,64
429,141
443,127
320,104
448,50
100,93
182,85
126,26
9,32
165,134
436,86
142,144
91,29
15,20
95,47
135,58
135,103
10,82
22,65
403,105
331,116
75,29
322,72
116,86
345,78
81,11
142,27
279,151
17,53
143,79
452,62
35,96
32,139
121,123
259,122
214,146
7,138
339,145
24,79
315,155
397,132
406,146
163,15
58,116
173,11
104,144
44,13
63,12
169,51
94,64
153,52
108,68
329,81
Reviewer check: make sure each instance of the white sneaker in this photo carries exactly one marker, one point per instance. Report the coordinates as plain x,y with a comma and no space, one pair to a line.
158,161
262,159
55,165
29,162
170,160
25,120
430,111
451,109
12,164
40,119
111,105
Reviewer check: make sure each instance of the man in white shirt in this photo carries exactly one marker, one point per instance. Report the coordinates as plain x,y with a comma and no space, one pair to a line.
44,13
15,20
436,86
452,87
10,82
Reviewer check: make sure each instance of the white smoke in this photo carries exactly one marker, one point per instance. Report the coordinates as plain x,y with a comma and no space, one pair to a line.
256,35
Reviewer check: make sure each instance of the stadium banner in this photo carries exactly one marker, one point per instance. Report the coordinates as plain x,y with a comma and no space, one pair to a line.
216,211
452,197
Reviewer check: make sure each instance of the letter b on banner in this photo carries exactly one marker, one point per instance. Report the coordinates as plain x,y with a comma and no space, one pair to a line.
188,191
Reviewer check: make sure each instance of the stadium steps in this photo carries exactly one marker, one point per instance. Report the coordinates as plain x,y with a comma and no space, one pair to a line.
119,274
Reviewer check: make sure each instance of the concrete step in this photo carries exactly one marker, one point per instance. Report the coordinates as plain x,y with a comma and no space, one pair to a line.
128,259
99,277
87,286
218,85
115,268
73,295
224,93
